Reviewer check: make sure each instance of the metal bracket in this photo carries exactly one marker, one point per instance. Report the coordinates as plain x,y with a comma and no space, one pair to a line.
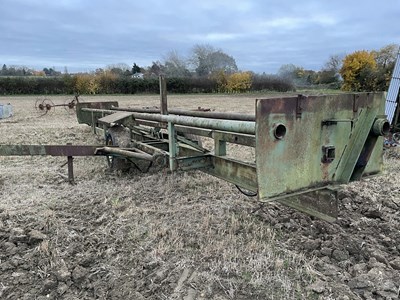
328,154
328,123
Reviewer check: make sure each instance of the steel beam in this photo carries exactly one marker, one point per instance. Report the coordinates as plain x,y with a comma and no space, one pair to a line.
194,162
245,127
53,150
124,152
193,113
173,147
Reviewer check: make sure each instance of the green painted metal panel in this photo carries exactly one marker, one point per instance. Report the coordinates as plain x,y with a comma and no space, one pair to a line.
194,162
310,142
85,117
117,118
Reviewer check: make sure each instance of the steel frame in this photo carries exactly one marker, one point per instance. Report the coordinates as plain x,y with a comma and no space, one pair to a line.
305,146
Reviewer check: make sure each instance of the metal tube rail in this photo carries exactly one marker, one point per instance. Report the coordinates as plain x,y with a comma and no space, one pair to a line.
194,113
245,127
127,153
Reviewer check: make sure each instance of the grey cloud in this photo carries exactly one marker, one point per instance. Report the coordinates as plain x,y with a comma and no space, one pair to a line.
261,35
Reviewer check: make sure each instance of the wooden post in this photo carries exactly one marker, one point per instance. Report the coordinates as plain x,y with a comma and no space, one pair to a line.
163,96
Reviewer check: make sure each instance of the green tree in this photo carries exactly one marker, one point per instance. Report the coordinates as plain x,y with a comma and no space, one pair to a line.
327,76
136,69
297,75
51,72
4,70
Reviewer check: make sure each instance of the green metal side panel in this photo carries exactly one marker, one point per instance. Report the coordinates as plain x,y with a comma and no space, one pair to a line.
86,117
304,143
118,117
375,163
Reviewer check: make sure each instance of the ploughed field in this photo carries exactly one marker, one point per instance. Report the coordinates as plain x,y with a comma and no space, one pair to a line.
158,235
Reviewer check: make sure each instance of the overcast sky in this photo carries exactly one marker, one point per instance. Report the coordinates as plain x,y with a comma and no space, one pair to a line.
261,35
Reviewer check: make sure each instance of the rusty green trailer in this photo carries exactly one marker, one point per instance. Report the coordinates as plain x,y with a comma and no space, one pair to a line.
305,146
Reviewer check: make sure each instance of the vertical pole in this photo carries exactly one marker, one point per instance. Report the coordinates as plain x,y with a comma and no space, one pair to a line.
172,146
163,96
105,131
70,163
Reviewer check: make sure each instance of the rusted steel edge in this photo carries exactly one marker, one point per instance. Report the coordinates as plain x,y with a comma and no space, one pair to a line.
321,203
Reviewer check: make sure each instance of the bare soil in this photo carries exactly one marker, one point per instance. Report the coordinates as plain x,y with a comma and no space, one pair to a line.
159,235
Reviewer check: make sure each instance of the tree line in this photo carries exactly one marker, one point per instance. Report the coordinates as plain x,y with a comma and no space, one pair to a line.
206,70
107,83
358,71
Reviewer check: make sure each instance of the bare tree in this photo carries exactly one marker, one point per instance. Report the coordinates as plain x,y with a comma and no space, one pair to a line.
334,63
386,55
156,69
206,60
119,68
176,65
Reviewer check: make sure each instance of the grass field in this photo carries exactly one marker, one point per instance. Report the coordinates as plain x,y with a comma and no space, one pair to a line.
159,235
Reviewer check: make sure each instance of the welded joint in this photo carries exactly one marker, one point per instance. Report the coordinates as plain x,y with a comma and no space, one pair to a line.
219,145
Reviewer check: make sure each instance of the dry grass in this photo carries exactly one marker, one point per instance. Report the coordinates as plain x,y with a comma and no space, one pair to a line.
154,226
156,235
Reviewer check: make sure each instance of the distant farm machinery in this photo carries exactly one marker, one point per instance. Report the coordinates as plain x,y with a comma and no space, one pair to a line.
44,106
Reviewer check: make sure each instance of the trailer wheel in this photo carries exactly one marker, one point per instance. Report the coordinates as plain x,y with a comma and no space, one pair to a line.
118,136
